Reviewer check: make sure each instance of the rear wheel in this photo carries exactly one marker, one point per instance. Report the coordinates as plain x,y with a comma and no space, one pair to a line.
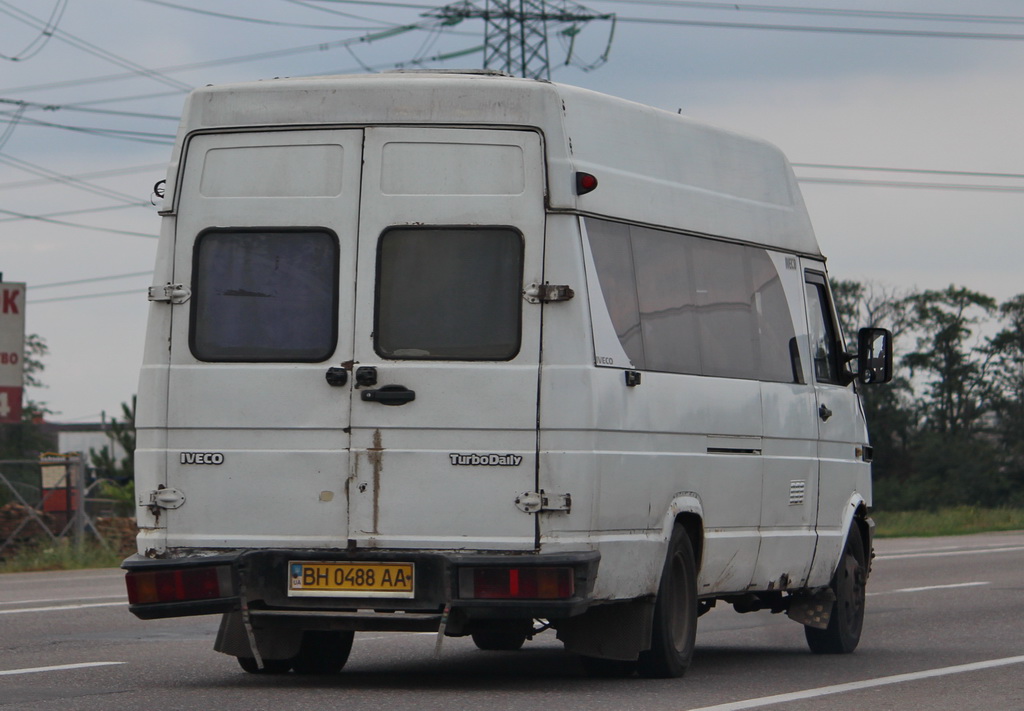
323,652
844,626
675,613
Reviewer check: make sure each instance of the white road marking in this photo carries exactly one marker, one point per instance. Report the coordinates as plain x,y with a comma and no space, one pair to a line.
54,608
939,554
63,599
930,587
34,578
59,667
858,685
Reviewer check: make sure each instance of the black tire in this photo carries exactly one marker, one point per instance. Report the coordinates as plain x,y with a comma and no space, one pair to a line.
270,666
499,640
323,652
847,620
675,613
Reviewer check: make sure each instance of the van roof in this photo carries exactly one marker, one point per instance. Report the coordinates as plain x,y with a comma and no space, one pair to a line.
654,167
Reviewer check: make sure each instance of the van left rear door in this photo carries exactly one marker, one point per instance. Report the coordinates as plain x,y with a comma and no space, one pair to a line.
257,439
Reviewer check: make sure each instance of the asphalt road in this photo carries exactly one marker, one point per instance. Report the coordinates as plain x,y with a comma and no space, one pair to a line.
944,630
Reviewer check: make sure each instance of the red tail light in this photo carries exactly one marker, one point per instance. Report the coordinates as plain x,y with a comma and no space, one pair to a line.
179,585
529,583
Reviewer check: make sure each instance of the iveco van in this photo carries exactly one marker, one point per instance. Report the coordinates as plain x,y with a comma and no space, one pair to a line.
477,355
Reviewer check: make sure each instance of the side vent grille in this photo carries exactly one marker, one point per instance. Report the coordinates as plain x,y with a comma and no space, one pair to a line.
797,490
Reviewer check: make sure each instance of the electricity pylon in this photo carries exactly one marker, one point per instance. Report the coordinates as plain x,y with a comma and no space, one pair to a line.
516,31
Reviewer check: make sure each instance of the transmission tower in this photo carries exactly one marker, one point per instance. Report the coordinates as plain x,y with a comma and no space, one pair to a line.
516,32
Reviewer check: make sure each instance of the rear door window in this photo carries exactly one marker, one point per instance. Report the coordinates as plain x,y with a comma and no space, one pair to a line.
451,293
265,295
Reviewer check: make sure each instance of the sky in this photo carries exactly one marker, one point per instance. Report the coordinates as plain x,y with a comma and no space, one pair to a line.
904,120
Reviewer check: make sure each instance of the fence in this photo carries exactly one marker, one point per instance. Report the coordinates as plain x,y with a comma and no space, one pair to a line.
49,499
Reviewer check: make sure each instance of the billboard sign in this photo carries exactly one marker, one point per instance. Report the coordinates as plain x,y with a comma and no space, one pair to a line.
12,350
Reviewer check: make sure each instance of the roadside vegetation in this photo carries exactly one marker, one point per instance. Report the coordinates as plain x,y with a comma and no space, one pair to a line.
62,555
958,521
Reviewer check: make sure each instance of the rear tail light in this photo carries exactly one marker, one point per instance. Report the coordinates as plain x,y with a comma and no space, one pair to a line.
181,585
528,583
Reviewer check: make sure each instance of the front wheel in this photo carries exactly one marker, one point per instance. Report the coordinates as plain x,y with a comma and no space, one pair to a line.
844,626
675,613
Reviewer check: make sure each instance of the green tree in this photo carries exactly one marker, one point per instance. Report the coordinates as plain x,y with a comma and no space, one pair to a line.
119,474
889,409
953,366
121,432
1007,386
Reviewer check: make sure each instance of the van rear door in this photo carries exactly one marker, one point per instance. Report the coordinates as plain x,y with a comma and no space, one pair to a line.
447,351
257,440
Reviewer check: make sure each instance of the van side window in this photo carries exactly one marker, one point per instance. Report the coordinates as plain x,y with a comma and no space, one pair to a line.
450,293
264,295
613,254
824,344
686,304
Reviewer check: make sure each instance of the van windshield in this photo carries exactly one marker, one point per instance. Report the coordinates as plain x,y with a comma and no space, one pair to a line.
451,293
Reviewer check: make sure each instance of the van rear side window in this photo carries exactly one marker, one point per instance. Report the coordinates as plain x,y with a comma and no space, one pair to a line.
686,304
450,293
266,295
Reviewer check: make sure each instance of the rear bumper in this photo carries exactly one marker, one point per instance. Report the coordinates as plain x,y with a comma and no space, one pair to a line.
258,582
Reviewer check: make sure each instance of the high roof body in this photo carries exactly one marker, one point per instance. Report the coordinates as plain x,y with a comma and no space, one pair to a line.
654,167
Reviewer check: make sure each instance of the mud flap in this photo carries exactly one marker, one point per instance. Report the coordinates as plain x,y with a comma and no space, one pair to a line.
812,609
616,631
271,643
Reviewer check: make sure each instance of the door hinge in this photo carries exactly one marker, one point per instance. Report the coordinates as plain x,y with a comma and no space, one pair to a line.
538,501
164,498
170,293
546,293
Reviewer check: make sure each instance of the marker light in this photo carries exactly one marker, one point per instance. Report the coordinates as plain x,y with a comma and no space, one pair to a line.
528,583
585,183
179,585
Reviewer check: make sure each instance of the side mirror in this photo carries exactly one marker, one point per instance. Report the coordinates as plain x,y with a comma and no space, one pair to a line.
874,355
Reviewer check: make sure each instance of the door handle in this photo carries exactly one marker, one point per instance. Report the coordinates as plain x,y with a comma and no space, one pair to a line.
824,413
389,395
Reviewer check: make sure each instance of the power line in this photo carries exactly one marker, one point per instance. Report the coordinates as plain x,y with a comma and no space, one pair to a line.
240,59
927,171
45,34
909,184
88,47
162,139
254,20
931,34
68,180
137,292
113,172
312,6
834,12
91,280
66,213
72,107
50,220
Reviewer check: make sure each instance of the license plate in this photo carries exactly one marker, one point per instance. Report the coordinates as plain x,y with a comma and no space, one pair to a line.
320,579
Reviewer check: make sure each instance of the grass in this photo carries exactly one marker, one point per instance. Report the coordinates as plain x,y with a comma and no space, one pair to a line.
62,555
955,521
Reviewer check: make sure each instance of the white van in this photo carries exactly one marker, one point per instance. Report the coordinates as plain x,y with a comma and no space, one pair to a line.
467,353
